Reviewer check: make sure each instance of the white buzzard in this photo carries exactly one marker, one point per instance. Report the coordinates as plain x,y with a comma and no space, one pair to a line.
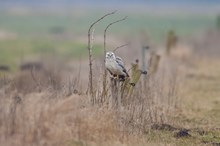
115,66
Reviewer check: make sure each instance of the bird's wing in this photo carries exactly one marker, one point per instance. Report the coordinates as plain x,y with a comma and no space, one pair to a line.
120,62
110,71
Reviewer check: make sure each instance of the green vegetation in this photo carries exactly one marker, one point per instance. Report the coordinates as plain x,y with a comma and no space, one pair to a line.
154,25
218,21
14,51
55,32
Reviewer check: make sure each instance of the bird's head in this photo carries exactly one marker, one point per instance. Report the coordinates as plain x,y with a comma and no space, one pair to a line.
110,55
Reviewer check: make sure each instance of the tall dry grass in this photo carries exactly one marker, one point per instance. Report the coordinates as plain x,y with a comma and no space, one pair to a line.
41,108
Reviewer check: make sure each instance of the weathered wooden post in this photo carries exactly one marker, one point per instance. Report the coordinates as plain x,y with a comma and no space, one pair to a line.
144,66
144,48
154,63
171,41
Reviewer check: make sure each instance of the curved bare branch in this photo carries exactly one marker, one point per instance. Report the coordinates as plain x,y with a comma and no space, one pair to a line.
105,72
107,29
90,52
120,47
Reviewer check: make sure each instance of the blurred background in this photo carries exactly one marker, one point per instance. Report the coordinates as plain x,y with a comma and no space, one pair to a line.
44,73
37,30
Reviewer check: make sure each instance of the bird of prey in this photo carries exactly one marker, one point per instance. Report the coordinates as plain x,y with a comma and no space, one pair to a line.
115,66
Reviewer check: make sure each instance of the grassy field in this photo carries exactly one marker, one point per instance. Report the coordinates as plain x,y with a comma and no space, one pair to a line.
58,112
156,25
15,52
176,105
28,33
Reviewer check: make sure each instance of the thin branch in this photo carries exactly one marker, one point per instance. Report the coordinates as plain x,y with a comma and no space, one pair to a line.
90,52
92,38
107,29
100,20
105,72
120,47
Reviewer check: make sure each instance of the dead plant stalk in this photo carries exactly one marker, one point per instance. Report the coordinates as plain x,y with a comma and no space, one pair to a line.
90,52
105,71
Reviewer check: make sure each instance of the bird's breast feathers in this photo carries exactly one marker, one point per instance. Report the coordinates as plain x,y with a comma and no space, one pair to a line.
114,67
110,64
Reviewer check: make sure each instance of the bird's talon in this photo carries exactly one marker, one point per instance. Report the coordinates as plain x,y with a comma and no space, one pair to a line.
132,84
144,72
